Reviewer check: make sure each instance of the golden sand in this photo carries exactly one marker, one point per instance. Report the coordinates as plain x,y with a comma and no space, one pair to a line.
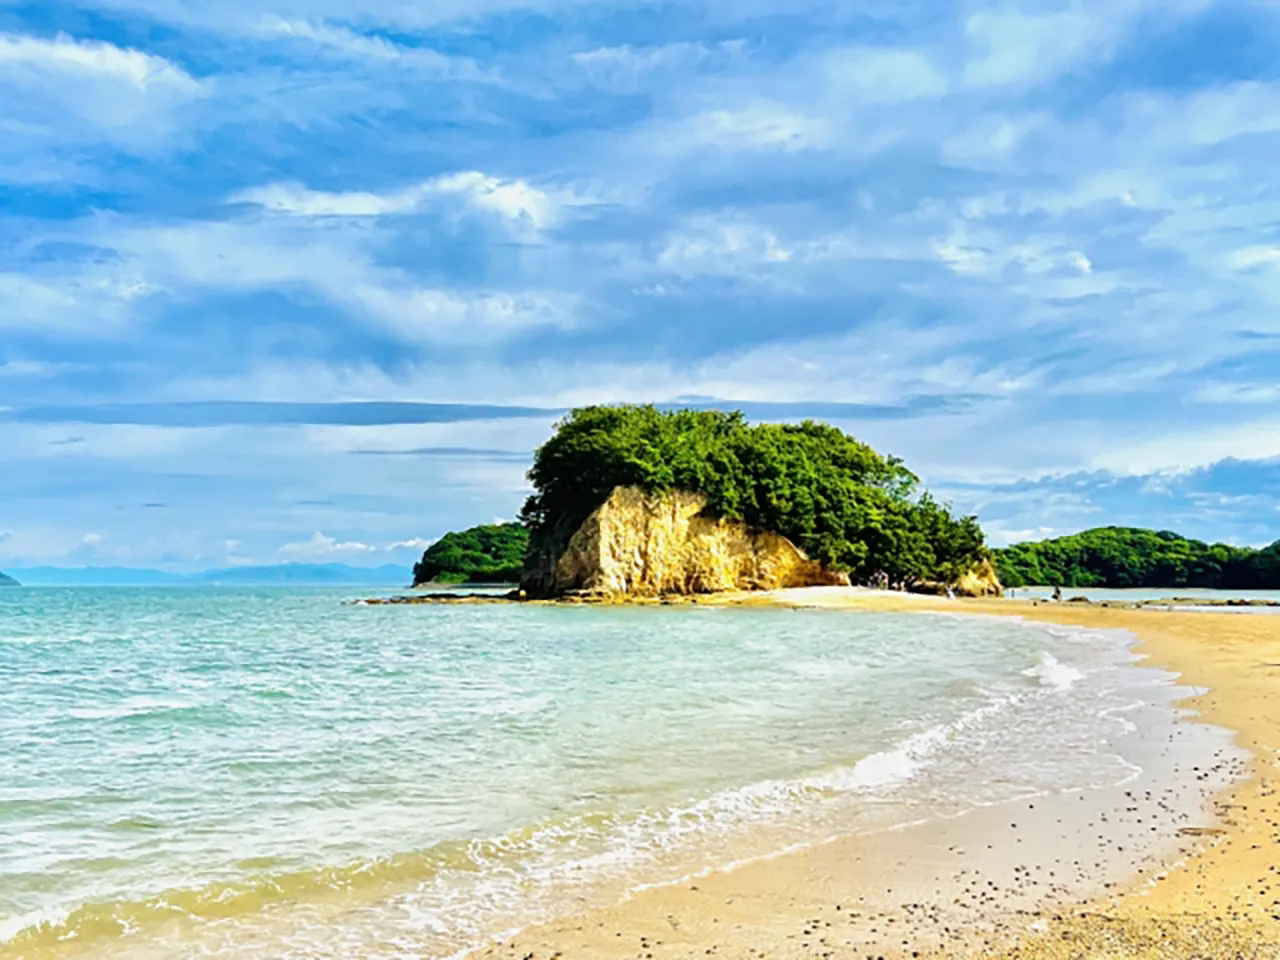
854,897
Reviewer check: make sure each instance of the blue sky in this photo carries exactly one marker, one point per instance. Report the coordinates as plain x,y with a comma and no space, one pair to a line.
307,279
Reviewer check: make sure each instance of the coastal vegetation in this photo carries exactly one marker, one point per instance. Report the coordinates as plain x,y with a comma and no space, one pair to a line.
844,504
1121,557
492,553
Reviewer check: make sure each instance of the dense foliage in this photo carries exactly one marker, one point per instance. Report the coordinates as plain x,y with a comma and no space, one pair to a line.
493,553
838,499
1127,557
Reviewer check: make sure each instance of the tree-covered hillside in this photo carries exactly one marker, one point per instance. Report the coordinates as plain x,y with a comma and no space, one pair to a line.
493,553
1127,557
838,499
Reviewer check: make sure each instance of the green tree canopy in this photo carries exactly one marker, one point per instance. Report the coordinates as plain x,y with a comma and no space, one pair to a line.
493,553
1123,557
841,501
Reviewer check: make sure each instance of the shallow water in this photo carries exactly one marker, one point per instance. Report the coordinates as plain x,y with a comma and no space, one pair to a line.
268,773
1139,594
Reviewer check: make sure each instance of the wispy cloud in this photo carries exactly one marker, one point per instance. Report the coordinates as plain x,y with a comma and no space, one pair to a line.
513,200
344,41
64,56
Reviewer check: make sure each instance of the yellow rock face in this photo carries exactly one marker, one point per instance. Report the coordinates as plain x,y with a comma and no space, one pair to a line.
643,545
981,581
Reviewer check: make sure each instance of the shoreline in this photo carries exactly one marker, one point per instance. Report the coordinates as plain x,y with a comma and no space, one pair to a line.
1216,894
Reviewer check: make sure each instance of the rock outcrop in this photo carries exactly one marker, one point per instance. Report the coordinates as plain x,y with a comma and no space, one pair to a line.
649,545
981,581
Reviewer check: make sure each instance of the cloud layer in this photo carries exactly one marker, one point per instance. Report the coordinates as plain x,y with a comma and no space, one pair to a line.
1032,247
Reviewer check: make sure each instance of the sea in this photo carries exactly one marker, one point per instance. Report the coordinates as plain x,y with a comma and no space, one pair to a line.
285,772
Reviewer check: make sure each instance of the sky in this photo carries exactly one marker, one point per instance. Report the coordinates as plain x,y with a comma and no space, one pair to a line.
306,280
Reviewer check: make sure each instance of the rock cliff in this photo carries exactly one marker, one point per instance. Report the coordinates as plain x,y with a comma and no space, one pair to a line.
649,545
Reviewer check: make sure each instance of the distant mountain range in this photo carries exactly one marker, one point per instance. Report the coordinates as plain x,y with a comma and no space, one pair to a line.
7,581
288,574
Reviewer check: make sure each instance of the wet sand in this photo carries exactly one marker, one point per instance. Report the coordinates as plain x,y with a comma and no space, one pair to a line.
1139,870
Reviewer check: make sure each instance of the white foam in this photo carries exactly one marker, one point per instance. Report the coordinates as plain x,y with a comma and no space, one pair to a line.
902,762
1054,674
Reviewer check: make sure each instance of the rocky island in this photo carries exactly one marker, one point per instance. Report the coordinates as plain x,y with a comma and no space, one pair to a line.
7,581
635,502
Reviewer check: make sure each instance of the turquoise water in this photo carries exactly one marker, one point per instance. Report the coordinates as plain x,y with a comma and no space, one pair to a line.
278,772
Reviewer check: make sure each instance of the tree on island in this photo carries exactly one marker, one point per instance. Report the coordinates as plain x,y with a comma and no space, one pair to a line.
493,553
839,500
1127,557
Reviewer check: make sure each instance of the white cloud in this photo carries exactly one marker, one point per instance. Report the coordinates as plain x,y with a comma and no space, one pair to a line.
626,68
295,200
91,540
1189,448
65,91
1251,257
417,543
709,246
320,546
512,199
516,201
761,127
424,315
1018,48
1242,393
369,47
330,259
96,303
91,59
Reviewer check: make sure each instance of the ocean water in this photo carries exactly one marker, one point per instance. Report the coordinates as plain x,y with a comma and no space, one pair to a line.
282,773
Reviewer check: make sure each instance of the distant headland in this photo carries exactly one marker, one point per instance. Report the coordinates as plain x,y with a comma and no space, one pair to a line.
7,581
1131,558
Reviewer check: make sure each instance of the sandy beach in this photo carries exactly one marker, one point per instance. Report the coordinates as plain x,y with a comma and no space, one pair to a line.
1136,871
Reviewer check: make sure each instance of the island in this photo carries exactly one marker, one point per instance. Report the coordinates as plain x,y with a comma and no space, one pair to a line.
635,501
7,581
492,553
1128,557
